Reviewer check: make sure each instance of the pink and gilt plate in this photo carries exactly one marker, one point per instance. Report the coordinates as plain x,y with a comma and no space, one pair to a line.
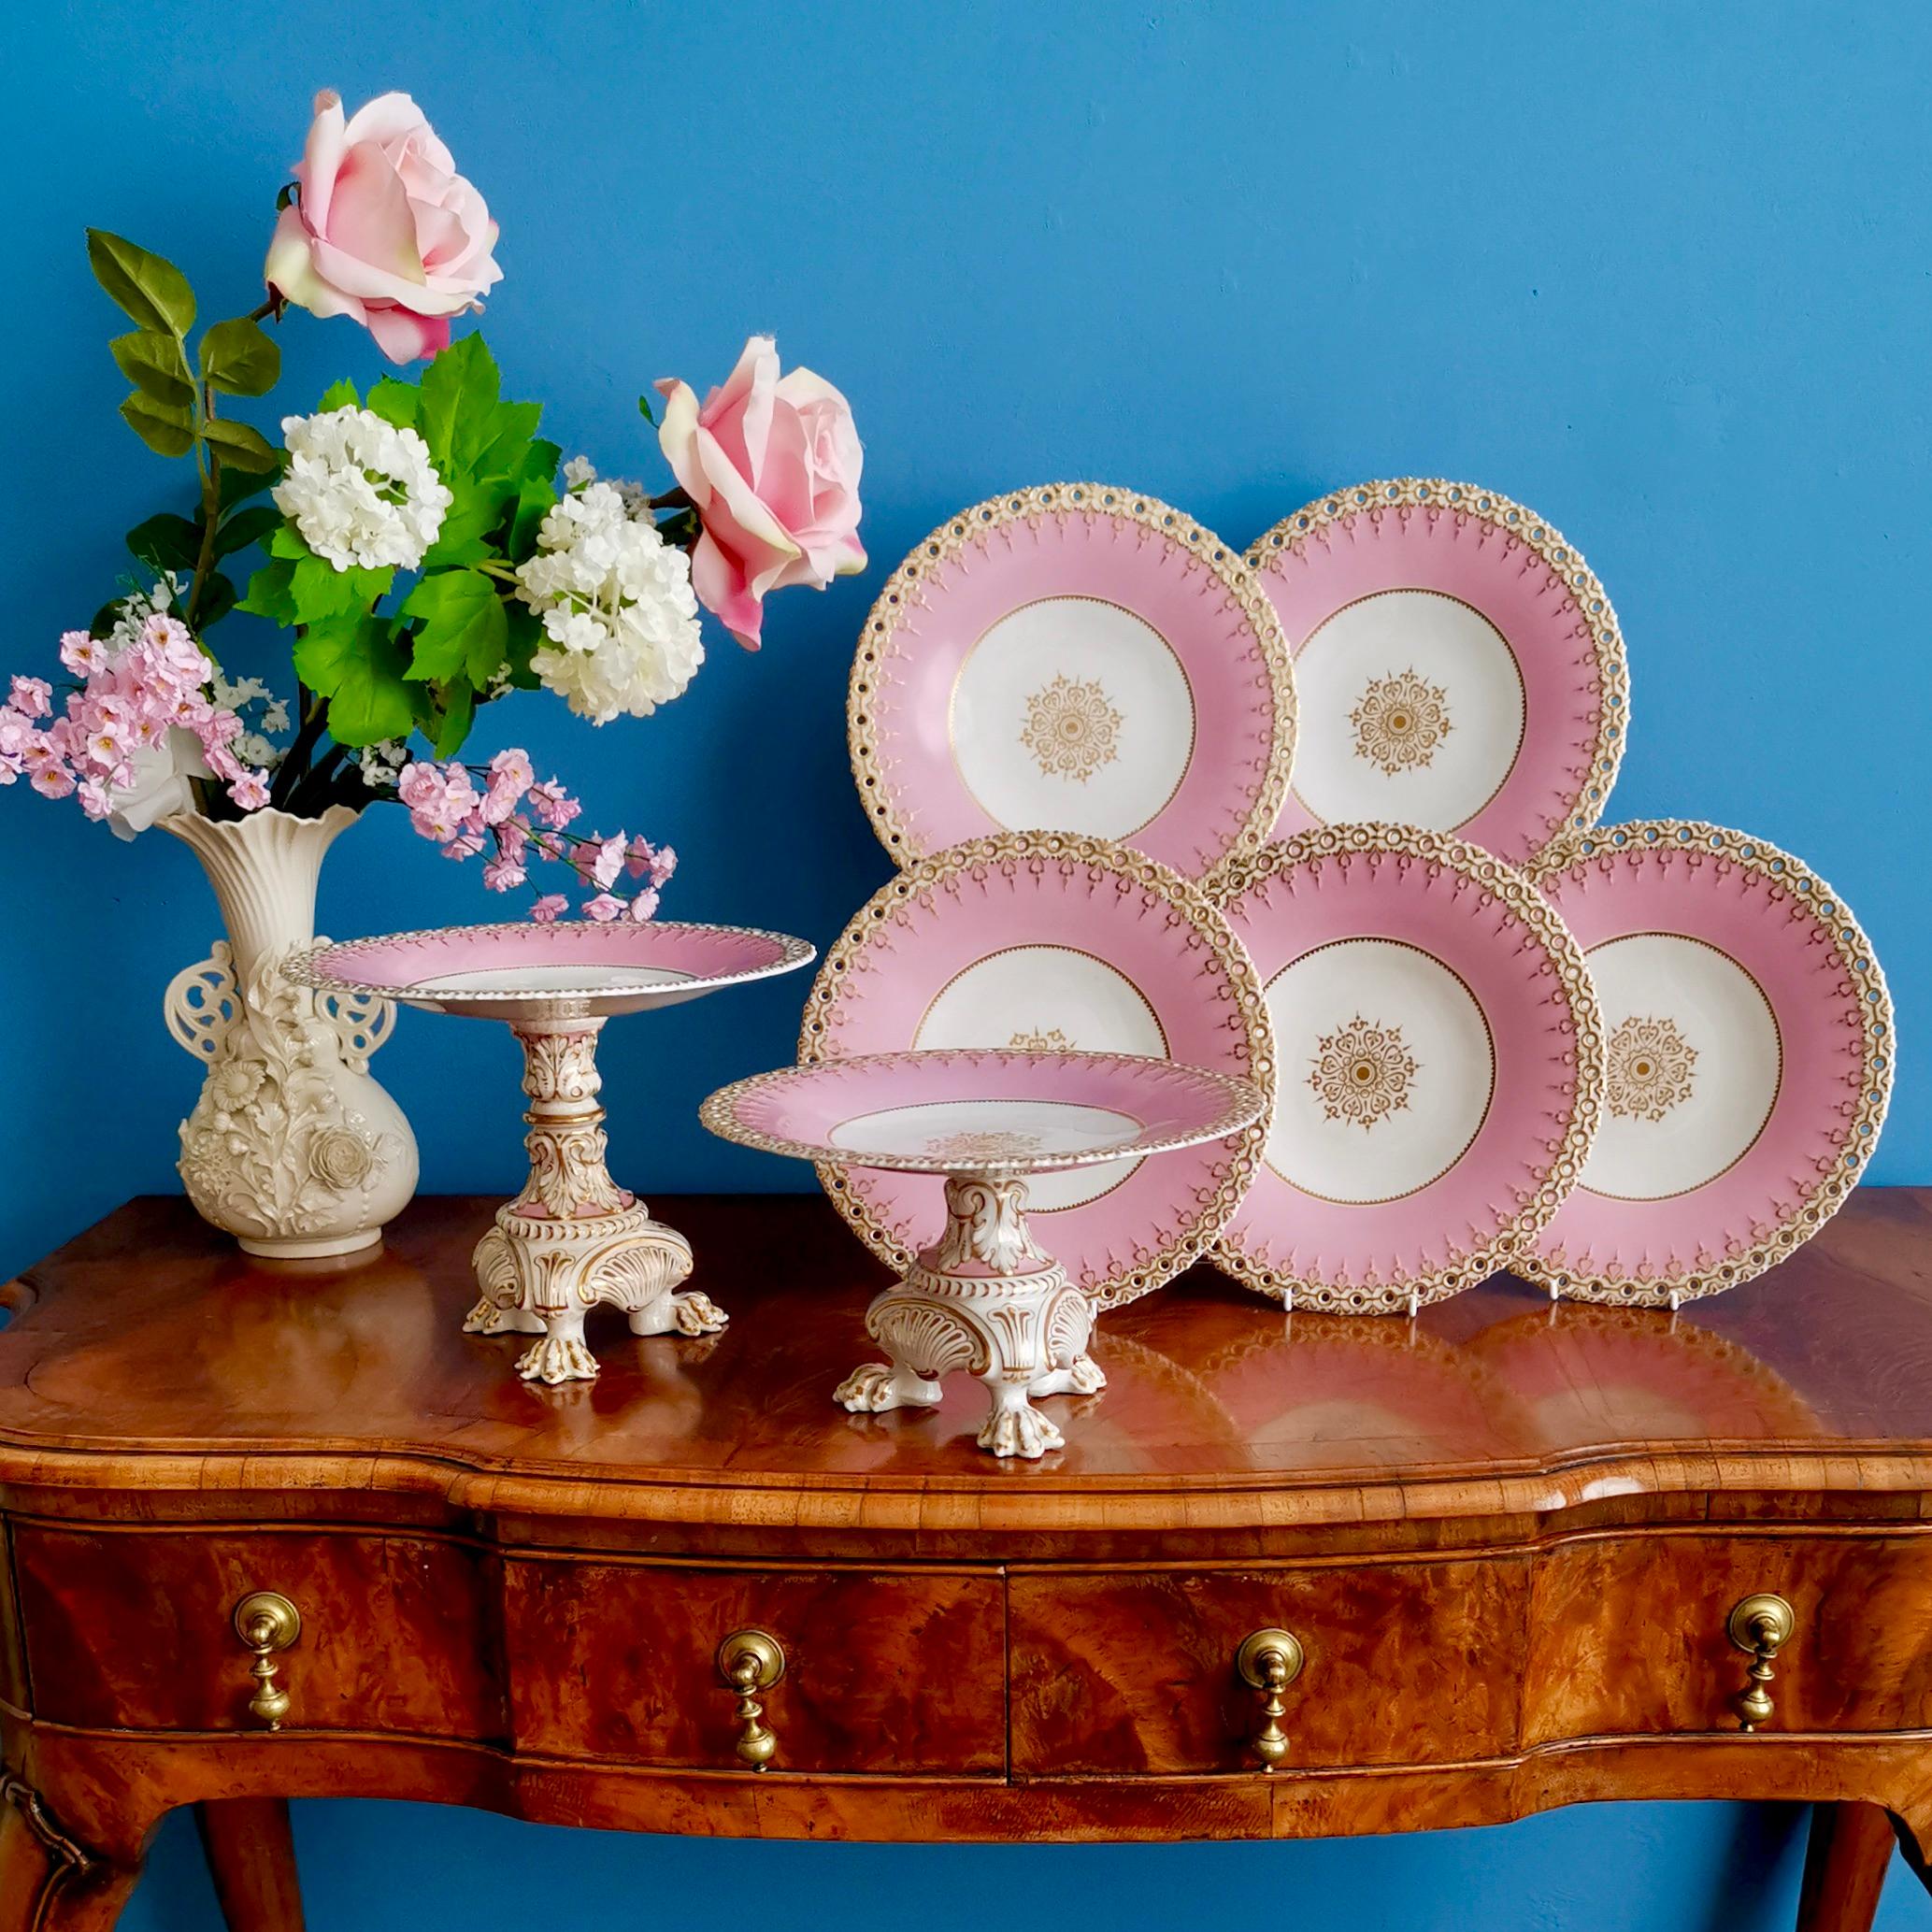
1456,665
1073,658
1439,1067
971,1111
1749,1060
1050,944
528,971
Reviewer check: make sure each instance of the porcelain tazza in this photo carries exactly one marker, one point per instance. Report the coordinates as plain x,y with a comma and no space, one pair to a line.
572,1238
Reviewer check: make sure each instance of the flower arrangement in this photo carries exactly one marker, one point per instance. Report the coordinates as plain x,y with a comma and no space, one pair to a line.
425,550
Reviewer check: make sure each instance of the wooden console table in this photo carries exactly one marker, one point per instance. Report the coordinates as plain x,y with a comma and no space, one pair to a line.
1507,1544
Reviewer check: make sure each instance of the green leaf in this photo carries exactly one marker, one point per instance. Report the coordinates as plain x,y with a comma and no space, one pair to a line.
152,291
395,402
270,593
167,430
238,485
217,600
236,443
525,635
459,398
155,363
540,460
246,527
240,357
287,542
536,498
644,410
166,542
461,632
506,435
339,396
456,713
358,666
477,508
321,592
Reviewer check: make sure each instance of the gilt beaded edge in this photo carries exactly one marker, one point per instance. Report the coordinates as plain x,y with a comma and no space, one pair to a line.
309,965
1099,859
1879,1051
904,591
1537,534
719,1113
1517,892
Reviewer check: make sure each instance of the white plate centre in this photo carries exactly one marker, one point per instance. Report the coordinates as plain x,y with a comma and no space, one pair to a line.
1694,1063
985,1133
1048,999
1386,1070
1411,712
1074,713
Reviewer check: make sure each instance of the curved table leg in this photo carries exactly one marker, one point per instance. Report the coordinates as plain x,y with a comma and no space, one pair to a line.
47,1883
251,1858
1845,1864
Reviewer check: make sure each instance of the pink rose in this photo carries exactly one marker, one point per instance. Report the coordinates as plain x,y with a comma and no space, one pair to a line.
772,464
385,229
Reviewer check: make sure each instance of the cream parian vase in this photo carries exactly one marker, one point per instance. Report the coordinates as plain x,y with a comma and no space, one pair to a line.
292,1146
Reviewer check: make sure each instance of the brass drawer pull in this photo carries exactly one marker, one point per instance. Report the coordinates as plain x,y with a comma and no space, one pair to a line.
751,1661
1267,1662
266,1622
1762,1624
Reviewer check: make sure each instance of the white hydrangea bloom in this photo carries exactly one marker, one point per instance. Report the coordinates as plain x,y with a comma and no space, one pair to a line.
359,490
578,471
620,617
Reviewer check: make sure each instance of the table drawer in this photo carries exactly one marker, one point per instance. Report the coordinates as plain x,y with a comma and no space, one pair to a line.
135,1629
884,1670
1629,1634
1408,1663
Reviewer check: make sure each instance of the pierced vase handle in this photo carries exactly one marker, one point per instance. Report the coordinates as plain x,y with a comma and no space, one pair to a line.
201,1003
361,1021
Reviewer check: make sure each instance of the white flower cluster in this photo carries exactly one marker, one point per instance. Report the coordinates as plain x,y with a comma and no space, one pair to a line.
253,747
381,762
134,610
359,490
619,613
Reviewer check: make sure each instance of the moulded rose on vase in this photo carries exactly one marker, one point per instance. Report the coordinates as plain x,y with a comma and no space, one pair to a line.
384,228
771,464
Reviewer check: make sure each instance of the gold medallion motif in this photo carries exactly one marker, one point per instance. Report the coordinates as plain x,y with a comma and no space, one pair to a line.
1052,1041
1651,1065
1399,721
1362,1073
968,1149
1071,729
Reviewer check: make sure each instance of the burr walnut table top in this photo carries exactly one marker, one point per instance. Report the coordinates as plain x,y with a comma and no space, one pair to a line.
1512,1544
150,1355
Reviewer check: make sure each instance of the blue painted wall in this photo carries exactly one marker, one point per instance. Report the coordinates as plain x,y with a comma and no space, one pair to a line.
1662,272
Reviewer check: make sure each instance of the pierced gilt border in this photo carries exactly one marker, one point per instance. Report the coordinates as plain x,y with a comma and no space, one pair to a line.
1100,861
719,1112
904,591
1879,1054
1514,890
1537,534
